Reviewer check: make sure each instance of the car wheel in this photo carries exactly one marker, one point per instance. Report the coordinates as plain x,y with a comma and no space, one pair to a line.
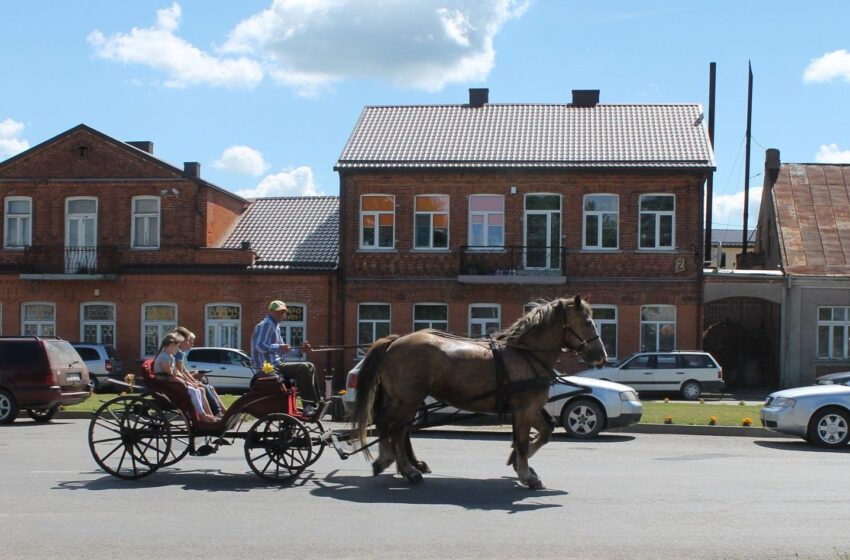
582,419
8,408
95,384
830,428
43,415
690,390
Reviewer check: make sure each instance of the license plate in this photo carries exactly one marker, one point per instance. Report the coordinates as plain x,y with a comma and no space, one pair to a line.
72,377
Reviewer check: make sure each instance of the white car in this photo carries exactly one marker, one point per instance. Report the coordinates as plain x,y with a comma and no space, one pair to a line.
689,373
582,406
820,414
229,369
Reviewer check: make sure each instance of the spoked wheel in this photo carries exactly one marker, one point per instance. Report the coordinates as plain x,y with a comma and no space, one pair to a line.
278,447
582,419
315,429
181,437
129,437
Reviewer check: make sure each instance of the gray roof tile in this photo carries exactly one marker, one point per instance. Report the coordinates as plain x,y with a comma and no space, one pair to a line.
290,233
507,135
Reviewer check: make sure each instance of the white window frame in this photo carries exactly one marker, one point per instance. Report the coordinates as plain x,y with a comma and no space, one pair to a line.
147,219
605,321
486,214
39,323
431,214
163,327
600,217
361,351
831,325
376,214
285,327
98,323
659,326
22,223
483,321
214,336
658,215
430,322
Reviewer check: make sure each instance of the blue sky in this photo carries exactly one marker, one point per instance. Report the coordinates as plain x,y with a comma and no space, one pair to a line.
264,94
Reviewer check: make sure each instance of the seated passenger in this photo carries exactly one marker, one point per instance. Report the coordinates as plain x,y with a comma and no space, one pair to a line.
164,365
199,381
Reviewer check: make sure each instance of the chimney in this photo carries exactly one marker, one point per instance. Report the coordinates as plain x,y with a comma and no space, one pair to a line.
585,98
771,165
144,145
191,170
478,97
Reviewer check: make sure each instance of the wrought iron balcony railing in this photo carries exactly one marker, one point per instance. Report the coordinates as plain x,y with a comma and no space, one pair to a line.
59,259
512,260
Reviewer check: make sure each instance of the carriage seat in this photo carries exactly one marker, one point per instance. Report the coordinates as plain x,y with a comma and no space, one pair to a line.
168,392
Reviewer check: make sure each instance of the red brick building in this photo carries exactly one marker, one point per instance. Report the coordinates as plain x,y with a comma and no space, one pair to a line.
103,242
460,216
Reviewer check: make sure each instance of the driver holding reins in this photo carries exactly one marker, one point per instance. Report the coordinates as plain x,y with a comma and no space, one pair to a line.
267,345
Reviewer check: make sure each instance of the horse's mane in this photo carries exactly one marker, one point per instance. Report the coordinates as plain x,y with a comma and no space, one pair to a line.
542,313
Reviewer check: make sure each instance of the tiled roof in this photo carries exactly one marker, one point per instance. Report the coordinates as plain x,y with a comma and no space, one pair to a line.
544,136
730,237
812,205
290,233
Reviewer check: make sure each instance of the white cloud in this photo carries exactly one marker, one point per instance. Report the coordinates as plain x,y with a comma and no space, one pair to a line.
10,142
835,64
310,44
728,209
159,48
831,154
293,182
242,159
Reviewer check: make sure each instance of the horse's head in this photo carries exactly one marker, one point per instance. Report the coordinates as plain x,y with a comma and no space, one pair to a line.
580,334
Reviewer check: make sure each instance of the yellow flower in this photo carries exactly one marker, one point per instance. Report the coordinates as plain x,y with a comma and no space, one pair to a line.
342,392
668,419
267,368
747,422
712,421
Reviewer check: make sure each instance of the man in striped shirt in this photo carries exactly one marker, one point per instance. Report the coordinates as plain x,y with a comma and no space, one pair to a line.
267,345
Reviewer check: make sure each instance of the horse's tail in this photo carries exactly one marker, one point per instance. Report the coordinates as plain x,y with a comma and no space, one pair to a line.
368,386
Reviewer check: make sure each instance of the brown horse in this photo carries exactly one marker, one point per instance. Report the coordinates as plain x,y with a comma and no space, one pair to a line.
400,371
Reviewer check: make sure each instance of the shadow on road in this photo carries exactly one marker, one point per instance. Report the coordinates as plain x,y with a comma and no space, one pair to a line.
205,480
495,494
799,445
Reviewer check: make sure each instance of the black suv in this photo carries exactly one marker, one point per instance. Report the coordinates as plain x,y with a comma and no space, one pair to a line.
39,374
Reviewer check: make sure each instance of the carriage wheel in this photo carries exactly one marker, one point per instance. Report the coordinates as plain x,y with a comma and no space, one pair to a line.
129,437
181,437
315,429
278,447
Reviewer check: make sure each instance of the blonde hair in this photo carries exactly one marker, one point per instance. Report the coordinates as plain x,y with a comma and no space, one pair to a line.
169,339
185,333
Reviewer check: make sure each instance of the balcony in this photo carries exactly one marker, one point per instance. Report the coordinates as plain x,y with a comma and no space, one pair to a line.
512,264
83,262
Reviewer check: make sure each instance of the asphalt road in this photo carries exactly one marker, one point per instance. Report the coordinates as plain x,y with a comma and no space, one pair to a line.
623,496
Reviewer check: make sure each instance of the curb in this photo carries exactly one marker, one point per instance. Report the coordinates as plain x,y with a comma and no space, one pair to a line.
677,429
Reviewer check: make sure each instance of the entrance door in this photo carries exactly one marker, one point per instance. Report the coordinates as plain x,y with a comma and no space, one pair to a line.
543,231
81,235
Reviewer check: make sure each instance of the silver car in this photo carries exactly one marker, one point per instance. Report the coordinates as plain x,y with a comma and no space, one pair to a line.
820,414
582,406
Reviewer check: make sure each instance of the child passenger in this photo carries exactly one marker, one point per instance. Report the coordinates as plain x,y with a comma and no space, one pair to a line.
165,364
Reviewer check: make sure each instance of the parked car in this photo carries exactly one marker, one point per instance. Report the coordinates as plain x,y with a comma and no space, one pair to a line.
820,414
833,378
689,373
582,406
229,369
102,363
39,374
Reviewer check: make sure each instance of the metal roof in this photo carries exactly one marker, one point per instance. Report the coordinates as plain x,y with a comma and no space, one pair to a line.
290,233
530,136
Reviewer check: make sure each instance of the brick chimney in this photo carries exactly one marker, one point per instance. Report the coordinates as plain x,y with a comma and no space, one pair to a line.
191,170
478,97
585,98
144,145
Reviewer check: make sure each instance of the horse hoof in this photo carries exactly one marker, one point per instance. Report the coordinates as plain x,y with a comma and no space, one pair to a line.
377,469
535,484
415,477
422,467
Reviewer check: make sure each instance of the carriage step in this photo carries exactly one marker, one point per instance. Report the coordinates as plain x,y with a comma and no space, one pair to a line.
338,446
